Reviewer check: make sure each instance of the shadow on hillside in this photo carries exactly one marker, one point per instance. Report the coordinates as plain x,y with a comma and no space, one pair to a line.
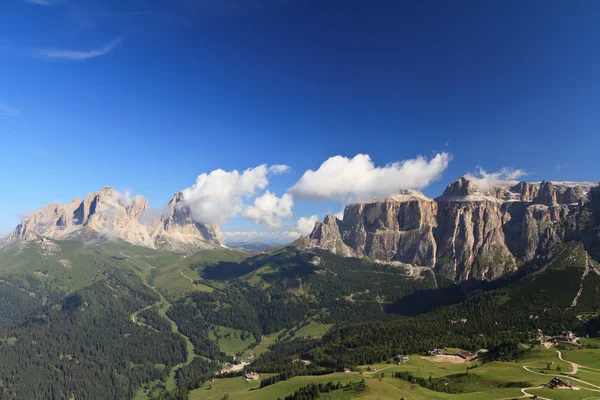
451,293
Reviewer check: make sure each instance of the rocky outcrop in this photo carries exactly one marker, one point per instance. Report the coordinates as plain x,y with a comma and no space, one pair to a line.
108,213
397,229
178,231
470,231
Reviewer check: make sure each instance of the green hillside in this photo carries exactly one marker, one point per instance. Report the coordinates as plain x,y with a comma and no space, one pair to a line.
165,322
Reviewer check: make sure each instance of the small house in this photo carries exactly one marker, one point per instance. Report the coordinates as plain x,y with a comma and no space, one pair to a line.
556,383
567,337
467,355
252,376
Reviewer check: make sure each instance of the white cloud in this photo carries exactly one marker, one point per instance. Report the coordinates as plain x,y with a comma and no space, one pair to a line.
78,55
485,180
7,109
558,167
305,225
219,196
270,209
45,2
355,179
279,169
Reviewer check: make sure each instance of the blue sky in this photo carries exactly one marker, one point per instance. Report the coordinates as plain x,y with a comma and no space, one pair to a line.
147,95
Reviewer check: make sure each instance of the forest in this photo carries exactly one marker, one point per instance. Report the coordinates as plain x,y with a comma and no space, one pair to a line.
84,344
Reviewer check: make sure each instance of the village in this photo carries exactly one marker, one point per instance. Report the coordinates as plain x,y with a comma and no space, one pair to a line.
550,373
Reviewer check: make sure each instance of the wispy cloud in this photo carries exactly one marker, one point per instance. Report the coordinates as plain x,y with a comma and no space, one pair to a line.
558,167
486,180
78,55
45,2
7,109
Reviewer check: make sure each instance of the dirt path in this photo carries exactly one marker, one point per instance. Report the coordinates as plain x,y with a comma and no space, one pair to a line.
162,302
372,372
184,275
577,366
526,395
573,365
567,378
135,314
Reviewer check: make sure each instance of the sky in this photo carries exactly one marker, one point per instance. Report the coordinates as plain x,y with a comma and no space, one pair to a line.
268,114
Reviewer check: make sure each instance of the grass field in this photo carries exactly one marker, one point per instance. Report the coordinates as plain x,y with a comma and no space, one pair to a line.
177,279
491,377
313,329
230,340
588,357
386,388
43,261
239,388
264,344
564,394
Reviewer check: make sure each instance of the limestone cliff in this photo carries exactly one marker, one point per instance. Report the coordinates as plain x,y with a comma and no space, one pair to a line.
178,231
108,213
471,231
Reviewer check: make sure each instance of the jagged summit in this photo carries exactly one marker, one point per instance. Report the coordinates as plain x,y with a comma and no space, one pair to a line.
548,193
110,213
475,229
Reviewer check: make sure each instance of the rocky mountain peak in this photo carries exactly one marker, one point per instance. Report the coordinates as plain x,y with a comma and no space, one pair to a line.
475,230
460,188
408,195
546,194
108,212
330,220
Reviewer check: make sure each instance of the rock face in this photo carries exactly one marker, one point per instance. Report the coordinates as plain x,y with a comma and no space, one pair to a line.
471,231
178,231
108,213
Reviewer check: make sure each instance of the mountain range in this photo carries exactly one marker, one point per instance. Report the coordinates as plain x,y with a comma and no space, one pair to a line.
473,230
157,310
109,213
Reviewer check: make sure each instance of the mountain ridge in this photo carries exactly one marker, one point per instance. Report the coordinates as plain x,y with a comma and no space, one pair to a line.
473,230
109,213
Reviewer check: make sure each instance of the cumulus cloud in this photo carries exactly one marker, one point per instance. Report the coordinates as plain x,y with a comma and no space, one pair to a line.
484,180
219,195
270,209
355,179
305,225
78,55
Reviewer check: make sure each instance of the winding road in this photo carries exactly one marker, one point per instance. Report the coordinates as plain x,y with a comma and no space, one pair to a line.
573,365
575,368
174,328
